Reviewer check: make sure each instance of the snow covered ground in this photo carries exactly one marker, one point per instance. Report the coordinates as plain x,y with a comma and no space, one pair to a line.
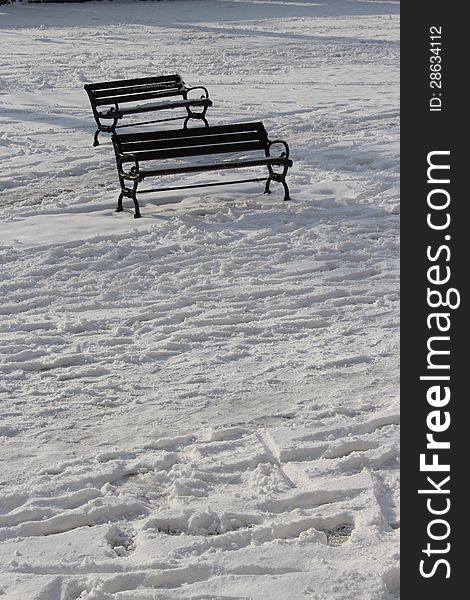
201,404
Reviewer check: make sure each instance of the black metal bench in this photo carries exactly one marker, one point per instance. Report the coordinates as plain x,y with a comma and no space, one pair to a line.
149,152
108,97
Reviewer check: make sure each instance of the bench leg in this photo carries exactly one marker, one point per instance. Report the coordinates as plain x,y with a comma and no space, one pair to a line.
137,214
197,117
286,190
272,176
106,128
129,193
284,183
95,139
280,178
119,204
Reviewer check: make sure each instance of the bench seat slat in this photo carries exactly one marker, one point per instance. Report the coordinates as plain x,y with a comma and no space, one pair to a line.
149,87
251,136
215,167
153,107
165,106
199,150
103,85
193,131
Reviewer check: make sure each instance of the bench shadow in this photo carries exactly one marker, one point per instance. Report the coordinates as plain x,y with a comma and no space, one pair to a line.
347,164
321,212
95,14
65,121
286,37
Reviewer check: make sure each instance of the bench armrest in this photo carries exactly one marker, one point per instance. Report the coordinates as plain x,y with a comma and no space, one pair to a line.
134,171
200,87
284,154
112,113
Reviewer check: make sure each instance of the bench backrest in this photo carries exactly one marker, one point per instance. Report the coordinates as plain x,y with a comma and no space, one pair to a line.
135,90
196,141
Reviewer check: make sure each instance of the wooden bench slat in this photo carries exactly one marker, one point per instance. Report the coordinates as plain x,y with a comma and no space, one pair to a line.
193,131
130,82
215,167
134,110
149,87
251,136
199,150
136,97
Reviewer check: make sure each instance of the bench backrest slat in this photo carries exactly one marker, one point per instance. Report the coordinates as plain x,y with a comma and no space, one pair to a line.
103,85
192,132
150,87
185,142
199,150
137,97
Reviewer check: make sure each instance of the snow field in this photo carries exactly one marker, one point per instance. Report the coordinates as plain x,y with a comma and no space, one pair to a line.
201,403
